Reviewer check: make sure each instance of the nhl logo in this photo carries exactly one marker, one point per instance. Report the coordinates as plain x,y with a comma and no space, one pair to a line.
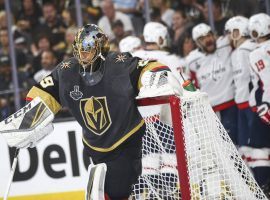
76,94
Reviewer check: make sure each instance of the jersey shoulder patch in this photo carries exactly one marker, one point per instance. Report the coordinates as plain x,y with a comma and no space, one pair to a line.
116,57
67,63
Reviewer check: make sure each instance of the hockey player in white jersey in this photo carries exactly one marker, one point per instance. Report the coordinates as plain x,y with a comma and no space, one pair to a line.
212,71
239,36
260,31
191,62
259,27
156,37
156,40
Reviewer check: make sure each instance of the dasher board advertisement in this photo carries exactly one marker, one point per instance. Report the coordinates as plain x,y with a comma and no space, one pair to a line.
55,169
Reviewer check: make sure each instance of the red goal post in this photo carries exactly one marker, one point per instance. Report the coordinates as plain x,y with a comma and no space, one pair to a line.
174,103
189,142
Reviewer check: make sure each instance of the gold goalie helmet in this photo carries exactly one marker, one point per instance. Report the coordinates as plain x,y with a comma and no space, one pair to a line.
90,43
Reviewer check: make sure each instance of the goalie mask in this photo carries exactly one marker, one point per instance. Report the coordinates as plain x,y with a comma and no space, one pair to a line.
89,44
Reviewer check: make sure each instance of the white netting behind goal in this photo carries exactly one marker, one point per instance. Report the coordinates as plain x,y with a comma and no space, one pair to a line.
215,169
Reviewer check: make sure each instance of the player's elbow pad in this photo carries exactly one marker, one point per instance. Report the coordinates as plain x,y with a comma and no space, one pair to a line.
28,125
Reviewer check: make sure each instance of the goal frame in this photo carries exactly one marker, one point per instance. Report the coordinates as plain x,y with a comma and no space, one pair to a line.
177,124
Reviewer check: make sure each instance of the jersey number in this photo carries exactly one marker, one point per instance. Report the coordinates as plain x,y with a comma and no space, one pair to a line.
46,82
260,65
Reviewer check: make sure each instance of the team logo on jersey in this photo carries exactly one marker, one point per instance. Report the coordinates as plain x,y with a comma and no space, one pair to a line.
65,65
76,94
121,58
95,114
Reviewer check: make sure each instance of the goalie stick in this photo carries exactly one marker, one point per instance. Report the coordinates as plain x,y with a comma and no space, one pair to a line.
14,165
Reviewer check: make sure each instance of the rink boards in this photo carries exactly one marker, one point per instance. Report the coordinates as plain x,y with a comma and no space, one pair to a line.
55,170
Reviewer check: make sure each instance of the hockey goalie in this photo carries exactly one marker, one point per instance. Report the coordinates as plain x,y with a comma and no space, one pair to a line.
99,88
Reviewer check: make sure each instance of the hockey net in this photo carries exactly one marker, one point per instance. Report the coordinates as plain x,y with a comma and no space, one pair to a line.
202,153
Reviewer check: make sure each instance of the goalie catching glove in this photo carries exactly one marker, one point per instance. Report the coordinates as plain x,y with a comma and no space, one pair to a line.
159,83
28,126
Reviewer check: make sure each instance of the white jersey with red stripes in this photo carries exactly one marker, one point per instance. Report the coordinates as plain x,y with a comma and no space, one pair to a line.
241,72
213,73
260,62
174,62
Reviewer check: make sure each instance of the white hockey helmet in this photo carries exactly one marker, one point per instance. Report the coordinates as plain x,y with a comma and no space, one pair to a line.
259,25
200,30
239,23
153,31
129,44
227,25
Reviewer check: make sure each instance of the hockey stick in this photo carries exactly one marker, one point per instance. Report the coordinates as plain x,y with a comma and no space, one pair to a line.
14,164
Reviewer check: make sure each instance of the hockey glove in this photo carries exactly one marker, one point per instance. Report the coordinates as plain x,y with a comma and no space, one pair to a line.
28,126
264,112
160,83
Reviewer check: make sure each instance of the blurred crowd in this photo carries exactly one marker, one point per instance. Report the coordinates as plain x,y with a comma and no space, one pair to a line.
43,31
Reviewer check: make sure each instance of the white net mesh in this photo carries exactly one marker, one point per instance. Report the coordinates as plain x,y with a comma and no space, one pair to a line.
215,169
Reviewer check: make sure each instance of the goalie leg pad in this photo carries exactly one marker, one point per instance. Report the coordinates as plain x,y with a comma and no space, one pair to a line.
96,181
